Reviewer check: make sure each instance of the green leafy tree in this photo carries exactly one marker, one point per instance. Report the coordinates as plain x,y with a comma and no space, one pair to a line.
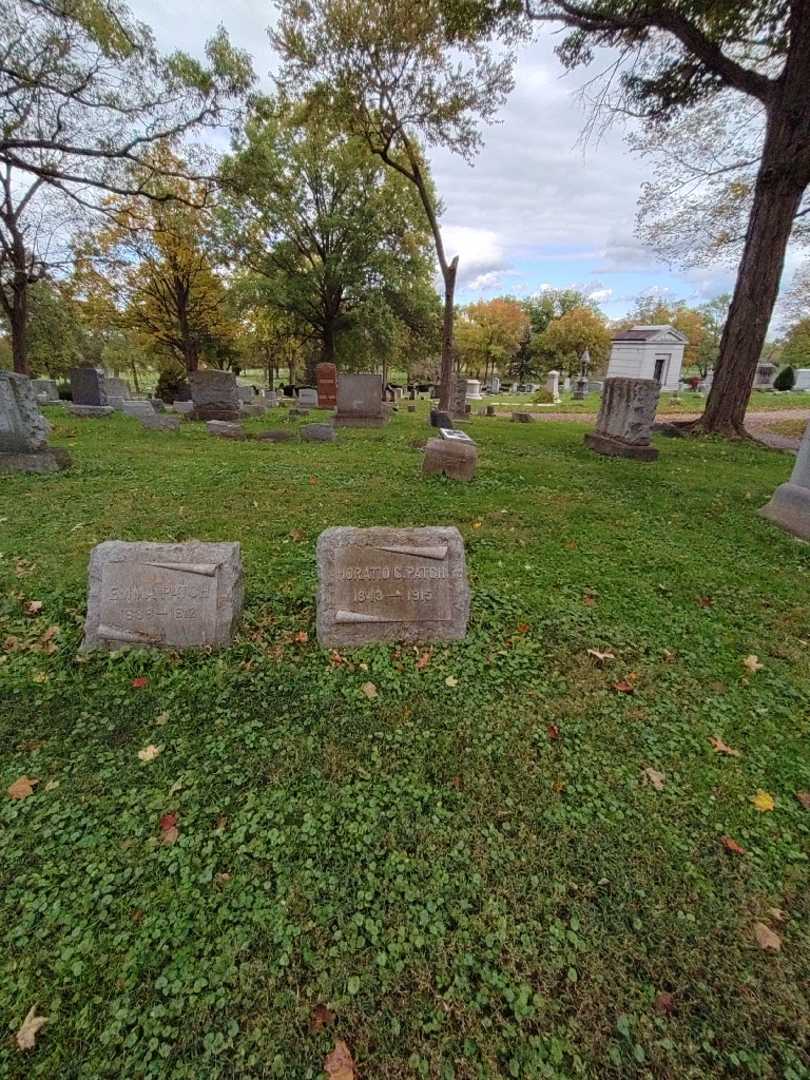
565,339
796,351
675,55
489,334
400,75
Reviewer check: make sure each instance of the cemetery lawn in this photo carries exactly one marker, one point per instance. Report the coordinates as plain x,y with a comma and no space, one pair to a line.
471,873
687,402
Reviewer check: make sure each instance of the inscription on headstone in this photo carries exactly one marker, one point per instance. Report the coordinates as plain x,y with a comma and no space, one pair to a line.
175,596
384,584
326,378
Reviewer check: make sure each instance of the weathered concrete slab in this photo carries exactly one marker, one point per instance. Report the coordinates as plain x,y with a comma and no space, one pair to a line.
456,459
173,596
318,433
384,584
224,430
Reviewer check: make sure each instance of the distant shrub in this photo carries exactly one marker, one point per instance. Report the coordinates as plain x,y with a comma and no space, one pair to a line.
543,397
786,379
172,385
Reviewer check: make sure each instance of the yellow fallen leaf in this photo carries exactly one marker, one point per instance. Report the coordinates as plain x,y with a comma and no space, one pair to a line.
763,801
339,1064
766,938
753,664
476,524
40,677
369,689
451,681
149,753
27,1035
23,787
655,778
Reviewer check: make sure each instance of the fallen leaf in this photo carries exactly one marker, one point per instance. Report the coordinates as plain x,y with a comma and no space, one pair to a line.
40,677
476,524
27,1035
522,628
600,657
301,638
168,829
804,798
777,914
664,1004
52,785
339,1064
149,753
33,607
763,801
23,787
654,777
588,600
313,480
704,601
767,939
732,845
571,545
222,877
553,731
298,535
627,685
423,661
451,681
139,683
753,664
721,747
335,659
320,1018
369,689
161,719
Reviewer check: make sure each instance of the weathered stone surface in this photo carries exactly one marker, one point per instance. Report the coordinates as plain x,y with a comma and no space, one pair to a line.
215,395
270,398
553,385
174,596
276,435
454,435
523,418
186,408
119,388
88,386
246,395
138,409
161,423
318,433
223,429
158,404
255,409
90,412
473,389
360,401
115,402
457,460
386,584
45,389
440,419
789,505
490,410
625,420
458,406
50,460
23,428
308,397
326,379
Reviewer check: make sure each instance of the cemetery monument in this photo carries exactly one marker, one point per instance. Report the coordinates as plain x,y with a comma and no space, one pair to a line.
24,430
790,503
625,420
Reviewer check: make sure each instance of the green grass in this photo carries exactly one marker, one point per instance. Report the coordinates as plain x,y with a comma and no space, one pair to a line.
470,895
688,402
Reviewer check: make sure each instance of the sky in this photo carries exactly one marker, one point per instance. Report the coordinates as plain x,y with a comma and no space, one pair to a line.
537,209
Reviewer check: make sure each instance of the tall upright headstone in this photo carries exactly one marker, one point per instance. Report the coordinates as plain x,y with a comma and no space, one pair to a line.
360,401
215,395
458,402
384,584
495,384
88,387
173,596
790,503
473,392
625,420
326,379
553,385
24,430
45,391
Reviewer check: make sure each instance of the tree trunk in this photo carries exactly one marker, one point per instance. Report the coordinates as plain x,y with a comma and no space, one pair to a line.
19,324
447,376
783,176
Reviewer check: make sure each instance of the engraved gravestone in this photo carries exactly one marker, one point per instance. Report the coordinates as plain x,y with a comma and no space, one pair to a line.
625,420
215,395
24,430
174,596
384,584
326,378
360,401
88,387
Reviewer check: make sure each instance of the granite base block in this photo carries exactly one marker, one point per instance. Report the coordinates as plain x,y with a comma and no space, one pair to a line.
602,444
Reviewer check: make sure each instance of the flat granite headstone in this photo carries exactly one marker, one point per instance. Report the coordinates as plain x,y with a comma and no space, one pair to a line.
215,395
385,584
223,429
360,401
454,435
160,423
456,459
318,433
88,386
625,420
172,596
789,505
138,409
326,379
88,412
308,397
24,430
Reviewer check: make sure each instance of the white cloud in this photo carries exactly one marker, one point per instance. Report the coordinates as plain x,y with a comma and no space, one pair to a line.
480,255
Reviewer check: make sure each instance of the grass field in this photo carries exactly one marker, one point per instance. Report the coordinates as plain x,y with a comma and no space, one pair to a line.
687,402
470,875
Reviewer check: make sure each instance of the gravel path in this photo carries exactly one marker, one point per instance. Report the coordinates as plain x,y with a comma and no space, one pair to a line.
758,423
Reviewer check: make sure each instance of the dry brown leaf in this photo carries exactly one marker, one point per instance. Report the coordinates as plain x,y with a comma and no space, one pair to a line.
753,664
553,731
23,787
320,1017
627,685
369,689
731,845
339,1064
654,777
149,753
169,832
298,535
664,1004
423,661
722,748
27,1035
767,939
804,798
600,657
588,600
301,638
335,659
33,607
777,914
704,601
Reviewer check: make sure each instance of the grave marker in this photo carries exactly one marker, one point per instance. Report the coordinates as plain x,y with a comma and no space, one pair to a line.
24,430
359,401
625,420
790,503
326,378
215,395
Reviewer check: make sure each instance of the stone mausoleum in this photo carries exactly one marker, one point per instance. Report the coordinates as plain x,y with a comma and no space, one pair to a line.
648,352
